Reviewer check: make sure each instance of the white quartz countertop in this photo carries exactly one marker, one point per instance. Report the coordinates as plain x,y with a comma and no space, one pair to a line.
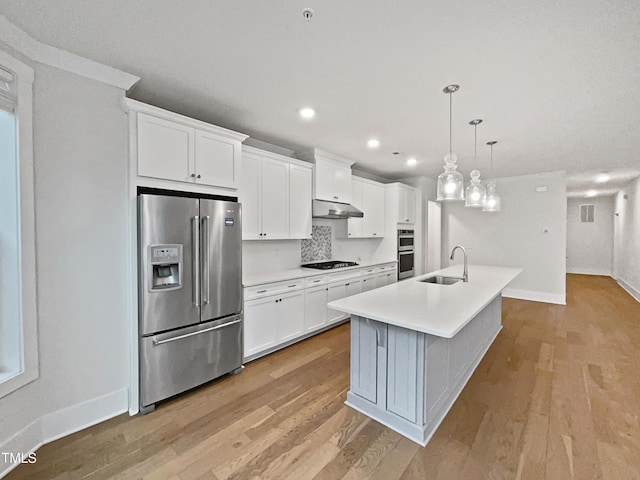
250,280
441,310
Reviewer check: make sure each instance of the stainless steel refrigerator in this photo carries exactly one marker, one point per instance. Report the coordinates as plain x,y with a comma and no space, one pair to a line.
190,285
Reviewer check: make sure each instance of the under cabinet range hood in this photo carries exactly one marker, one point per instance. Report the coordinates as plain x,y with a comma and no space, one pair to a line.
325,209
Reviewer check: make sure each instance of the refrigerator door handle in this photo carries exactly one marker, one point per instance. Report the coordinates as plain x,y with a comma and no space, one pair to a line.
207,259
195,239
186,335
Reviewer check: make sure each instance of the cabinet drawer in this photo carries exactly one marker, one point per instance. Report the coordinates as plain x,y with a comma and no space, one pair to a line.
315,281
267,289
337,277
386,267
369,270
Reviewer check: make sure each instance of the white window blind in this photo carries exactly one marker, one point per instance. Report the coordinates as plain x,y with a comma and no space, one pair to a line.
8,93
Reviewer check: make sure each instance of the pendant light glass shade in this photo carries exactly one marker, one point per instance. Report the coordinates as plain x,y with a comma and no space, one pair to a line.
475,192
492,199
450,182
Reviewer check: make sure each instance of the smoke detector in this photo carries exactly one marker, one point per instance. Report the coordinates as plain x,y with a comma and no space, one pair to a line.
307,13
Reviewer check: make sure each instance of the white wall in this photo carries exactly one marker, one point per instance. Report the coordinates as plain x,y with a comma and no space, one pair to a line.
590,245
80,161
626,243
514,237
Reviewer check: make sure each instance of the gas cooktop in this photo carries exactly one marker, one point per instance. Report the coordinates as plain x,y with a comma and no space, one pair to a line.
329,265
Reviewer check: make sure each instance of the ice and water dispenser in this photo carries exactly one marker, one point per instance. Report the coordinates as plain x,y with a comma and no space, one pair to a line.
165,265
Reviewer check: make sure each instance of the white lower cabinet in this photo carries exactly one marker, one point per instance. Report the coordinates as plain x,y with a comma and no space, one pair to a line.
368,283
278,313
315,308
335,291
272,320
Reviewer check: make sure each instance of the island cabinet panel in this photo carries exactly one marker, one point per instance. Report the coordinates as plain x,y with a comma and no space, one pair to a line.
402,352
459,354
407,379
437,373
365,367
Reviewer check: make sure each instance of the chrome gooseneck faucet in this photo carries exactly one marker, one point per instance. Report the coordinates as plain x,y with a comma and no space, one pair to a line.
465,273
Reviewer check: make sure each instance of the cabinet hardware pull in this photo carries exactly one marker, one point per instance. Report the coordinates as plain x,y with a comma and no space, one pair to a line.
193,175
347,284
261,291
291,286
316,281
198,176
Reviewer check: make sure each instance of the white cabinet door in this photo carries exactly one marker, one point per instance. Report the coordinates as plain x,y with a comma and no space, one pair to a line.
402,379
368,283
260,329
353,287
392,277
250,198
373,206
323,181
380,280
300,201
354,225
290,316
406,205
342,184
335,292
165,149
274,199
217,160
315,308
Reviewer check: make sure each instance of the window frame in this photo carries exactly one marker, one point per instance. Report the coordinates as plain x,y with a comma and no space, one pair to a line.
24,77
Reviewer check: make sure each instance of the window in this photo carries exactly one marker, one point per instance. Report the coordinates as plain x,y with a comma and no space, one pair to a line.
18,328
587,213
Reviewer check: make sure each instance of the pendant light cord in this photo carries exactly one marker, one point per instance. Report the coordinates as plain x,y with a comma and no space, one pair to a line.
475,146
491,161
450,123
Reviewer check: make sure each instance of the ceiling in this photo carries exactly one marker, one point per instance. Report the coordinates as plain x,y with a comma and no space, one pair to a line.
556,83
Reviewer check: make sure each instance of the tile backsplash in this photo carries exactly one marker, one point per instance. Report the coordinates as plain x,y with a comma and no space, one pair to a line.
319,247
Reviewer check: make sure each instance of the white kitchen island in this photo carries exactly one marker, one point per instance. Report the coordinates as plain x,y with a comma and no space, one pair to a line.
414,345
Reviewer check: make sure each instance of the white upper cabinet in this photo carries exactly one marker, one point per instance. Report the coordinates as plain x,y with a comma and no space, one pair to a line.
275,192
274,199
406,205
217,160
331,176
405,197
368,196
300,179
167,147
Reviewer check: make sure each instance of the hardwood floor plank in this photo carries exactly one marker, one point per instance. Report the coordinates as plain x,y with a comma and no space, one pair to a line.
556,397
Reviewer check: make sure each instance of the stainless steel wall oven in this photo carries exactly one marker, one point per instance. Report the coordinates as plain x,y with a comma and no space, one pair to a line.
405,254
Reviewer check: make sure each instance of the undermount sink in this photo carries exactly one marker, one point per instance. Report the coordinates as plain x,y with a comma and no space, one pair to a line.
440,280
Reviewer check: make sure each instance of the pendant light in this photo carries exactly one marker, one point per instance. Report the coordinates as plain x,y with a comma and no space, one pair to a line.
475,192
450,182
492,199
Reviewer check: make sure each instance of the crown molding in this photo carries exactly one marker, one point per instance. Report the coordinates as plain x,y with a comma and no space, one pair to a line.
22,42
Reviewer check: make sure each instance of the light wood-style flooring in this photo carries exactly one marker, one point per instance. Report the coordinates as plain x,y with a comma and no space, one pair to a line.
556,397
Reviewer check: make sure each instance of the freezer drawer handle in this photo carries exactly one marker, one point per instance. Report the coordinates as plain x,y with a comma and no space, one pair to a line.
180,337
195,239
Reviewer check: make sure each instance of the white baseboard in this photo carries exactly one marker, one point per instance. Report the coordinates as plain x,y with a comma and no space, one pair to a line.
559,299
63,422
634,292
590,271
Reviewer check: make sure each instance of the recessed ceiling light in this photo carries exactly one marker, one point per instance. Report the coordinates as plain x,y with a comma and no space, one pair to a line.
591,193
603,177
373,143
307,112
411,161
